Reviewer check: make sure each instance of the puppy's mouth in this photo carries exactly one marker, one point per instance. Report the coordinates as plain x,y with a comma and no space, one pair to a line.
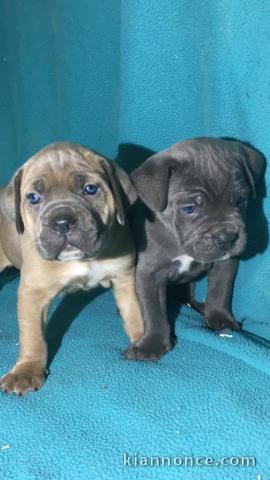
63,250
214,259
66,236
205,250
70,253
226,256
204,256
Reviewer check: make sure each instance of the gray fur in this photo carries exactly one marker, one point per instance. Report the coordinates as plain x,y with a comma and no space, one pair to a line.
216,177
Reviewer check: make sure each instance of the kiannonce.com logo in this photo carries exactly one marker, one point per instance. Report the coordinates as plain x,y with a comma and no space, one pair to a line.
137,460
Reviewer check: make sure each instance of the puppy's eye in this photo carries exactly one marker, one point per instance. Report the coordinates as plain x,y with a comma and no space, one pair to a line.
90,189
189,209
33,198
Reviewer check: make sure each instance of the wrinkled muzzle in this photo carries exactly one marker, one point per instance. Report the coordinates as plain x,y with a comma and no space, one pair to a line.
218,242
69,231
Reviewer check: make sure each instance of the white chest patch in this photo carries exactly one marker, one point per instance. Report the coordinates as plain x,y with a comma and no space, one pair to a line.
185,262
89,274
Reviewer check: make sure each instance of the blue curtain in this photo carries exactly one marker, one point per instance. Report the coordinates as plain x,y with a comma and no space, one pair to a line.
113,74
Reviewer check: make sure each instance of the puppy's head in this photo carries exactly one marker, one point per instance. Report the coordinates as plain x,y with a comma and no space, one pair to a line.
67,198
200,188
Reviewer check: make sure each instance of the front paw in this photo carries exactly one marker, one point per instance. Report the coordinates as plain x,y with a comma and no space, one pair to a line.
23,378
221,320
148,349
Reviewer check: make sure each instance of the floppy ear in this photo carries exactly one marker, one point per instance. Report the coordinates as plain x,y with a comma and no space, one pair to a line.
151,180
120,183
12,201
254,164
123,190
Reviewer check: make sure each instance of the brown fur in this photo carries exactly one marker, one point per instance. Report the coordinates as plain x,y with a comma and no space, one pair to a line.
41,280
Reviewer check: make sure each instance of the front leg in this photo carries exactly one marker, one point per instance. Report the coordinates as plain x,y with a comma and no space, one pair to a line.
128,305
29,371
218,314
157,336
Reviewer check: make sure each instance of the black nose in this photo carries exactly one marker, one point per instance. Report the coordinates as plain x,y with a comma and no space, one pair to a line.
226,239
63,223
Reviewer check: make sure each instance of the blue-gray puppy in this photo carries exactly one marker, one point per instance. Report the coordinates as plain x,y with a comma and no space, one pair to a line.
192,220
